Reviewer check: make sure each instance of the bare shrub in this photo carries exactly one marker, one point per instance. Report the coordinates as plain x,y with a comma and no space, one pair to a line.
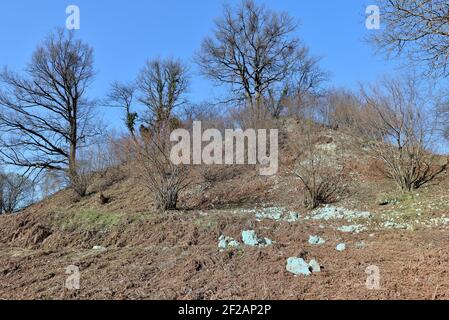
401,131
51,182
245,118
106,162
156,171
323,178
341,109
212,116
81,182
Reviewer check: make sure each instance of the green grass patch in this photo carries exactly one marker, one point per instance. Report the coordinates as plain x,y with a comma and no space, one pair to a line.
89,220
396,198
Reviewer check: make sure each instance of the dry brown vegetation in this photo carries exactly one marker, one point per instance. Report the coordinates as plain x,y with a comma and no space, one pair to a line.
157,223
37,245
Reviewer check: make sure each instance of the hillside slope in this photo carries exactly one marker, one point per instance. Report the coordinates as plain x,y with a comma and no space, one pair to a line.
125,249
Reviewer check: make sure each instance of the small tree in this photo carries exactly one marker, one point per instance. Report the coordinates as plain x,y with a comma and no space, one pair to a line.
160,87
98,166
401,130
122,95
16,191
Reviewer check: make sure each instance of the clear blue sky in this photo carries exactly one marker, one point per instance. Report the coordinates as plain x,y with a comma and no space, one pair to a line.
125,33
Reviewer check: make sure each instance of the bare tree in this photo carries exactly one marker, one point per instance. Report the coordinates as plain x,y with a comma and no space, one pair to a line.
402,130
254,52
122,95
162,85
341,109
16,191
442,114
419,29
45,115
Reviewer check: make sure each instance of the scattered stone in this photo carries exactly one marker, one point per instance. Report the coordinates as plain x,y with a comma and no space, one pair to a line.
341,247
249,237
334,213
269,213
388,201
355,228
227,242
293,217
331,147
394,225
438,222
275,214
315,240
298,266
314,266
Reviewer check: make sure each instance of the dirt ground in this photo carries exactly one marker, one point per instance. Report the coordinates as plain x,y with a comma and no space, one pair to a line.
176,257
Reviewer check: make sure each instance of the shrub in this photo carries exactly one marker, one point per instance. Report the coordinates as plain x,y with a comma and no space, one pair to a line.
323,178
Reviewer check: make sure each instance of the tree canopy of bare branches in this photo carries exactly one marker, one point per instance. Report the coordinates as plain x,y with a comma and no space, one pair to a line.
162,85
341,109
419,29
122,95
254,52
45,114
15,191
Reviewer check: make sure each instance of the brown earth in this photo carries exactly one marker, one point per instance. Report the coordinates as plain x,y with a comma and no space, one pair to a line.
174,255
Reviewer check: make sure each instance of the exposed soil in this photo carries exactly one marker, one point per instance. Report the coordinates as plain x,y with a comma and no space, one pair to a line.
177,258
